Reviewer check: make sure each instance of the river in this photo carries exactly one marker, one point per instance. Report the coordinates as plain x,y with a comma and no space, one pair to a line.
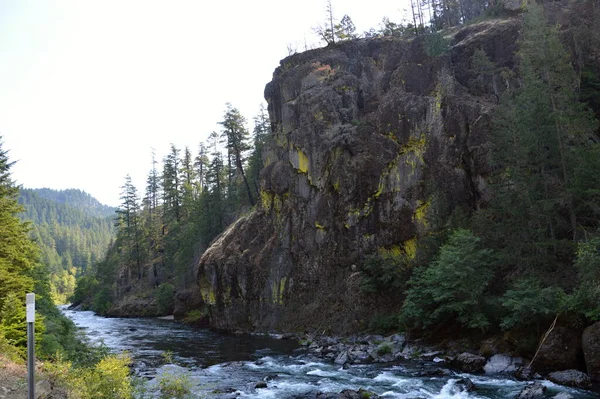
224,366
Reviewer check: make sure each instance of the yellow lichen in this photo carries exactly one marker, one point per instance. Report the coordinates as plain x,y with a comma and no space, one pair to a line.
266,199
277,290
319,226
420,214
410,248
302,162
394,251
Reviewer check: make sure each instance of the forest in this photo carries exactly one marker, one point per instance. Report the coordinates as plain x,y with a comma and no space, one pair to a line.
71,229
513,263
525,257
189,199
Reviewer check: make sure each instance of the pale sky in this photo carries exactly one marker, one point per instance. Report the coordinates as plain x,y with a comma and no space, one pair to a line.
88,87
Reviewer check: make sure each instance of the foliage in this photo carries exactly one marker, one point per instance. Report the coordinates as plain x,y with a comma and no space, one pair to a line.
382,323
109,378
102,300
165,298
587,296
72,230
384,349
453,286
194,316
528,303
385,271
435,44
174,385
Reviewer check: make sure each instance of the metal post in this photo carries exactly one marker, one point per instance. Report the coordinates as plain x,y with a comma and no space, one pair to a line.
30,303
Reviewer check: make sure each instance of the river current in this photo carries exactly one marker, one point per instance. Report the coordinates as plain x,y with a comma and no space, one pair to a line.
228,366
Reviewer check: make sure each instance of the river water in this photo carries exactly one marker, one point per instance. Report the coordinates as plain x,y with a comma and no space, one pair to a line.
224,366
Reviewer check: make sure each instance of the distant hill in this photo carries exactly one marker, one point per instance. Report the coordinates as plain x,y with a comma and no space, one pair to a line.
73,198
73,230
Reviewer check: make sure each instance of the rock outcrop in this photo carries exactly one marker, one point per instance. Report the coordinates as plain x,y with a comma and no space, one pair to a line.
368,136
591,350
560,351
571,378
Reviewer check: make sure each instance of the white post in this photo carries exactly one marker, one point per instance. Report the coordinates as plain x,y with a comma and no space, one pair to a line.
30,303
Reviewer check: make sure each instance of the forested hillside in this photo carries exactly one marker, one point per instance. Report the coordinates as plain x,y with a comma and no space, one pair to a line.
189,198
73,231
21,272
435,176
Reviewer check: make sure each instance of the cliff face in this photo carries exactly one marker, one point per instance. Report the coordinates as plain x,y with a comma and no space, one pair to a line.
367,136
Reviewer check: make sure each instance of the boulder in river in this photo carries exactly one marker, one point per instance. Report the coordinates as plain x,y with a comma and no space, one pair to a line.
571,378
469,362
348,394
464,385
502,364
560,351
532,391
591,350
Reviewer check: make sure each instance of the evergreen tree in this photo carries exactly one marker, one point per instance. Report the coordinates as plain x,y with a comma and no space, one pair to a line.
236,138
129,225
262,130
538,129
171,187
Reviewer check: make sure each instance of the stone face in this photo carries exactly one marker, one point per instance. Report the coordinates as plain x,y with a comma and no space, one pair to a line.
591,350
469,363
560,351
361,129
571,378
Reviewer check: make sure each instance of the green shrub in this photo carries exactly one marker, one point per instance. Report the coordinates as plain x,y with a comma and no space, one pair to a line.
194,316
385,271
176,386
435,44
382,323
165,298
452,287
384,349
102,301
109,378
529,304
587,295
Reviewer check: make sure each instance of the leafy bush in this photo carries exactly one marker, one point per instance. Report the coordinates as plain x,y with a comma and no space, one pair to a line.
435,44
453,286
194,316
383,323
165,298
102,301
587,294
529,304
176,386
13,324
384,349
109,378
385,271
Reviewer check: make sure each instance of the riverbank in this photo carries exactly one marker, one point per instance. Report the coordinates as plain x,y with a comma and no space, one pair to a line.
13,382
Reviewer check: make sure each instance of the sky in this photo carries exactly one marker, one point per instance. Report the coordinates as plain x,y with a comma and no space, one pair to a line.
89,87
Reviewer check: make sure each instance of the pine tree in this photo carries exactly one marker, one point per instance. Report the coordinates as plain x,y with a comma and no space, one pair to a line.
538,130
262,130
236,138
171,186
129,225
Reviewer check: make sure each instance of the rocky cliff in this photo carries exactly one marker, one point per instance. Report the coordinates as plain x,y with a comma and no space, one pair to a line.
370,139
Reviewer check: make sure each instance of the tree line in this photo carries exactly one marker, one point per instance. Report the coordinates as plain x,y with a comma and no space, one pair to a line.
426,17
531,253
72,231
189,198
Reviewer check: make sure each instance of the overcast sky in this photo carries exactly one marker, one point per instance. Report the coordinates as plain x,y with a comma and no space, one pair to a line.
87,88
